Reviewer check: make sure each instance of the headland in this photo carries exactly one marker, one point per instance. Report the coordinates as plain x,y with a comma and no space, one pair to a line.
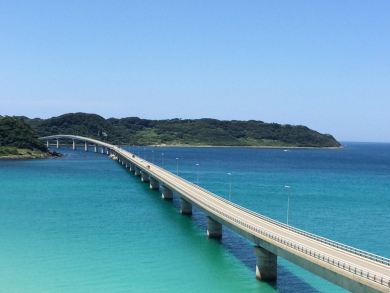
183,132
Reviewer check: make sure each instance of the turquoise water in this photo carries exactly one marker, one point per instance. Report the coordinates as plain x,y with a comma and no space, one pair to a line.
83,223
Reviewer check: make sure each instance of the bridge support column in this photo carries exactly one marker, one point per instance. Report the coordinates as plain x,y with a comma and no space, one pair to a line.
86,146
47,143
122,160
154,184
166,193
102,149
265,264
131,167
214,228
144,176
185,207
58,143
74,145
137,171
95,148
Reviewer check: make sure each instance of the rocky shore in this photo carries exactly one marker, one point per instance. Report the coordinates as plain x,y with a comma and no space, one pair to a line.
50,154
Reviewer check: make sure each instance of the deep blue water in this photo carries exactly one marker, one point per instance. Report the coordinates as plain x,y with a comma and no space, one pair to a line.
83,223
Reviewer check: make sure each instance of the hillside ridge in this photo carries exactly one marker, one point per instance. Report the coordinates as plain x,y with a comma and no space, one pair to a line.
19,140
196,132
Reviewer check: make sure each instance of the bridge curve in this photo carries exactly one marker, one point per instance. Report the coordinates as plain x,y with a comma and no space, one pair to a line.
351,268
104,146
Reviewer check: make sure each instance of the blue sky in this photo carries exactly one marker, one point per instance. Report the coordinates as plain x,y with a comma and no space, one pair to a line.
323,64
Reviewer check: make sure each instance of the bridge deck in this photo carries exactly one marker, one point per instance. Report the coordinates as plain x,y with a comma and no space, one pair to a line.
338,258
278,235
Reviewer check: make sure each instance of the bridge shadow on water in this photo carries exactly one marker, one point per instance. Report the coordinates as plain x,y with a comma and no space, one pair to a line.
241,249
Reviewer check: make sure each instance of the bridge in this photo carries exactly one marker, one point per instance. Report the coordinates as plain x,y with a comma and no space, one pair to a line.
348,267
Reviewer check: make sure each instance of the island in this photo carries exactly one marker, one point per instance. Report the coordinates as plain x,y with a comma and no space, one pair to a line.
182,132
18,140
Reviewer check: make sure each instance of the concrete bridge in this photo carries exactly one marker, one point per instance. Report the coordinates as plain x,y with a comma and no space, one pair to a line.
104,147
348,267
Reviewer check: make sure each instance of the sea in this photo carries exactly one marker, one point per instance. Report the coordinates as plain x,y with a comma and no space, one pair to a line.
84,223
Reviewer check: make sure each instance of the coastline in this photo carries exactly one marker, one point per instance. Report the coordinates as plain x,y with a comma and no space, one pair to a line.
224,146
18,157
262,147
48,155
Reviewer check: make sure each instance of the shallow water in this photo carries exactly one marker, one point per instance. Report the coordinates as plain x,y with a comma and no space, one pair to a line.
83,223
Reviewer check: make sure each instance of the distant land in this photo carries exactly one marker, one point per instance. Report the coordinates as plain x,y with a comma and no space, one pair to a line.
19,140
182,132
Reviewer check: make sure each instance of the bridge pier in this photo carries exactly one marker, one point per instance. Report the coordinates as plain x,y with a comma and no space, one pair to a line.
166,193
123,160
86,146
266,263
144,176
47,143
154,184
102,150
58,143
131,167
214,228
95,148
137,171
185,207
74,145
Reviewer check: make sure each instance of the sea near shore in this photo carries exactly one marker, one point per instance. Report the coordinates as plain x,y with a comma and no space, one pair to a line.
84,223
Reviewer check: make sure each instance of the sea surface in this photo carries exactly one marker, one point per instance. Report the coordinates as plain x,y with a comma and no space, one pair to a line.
84,223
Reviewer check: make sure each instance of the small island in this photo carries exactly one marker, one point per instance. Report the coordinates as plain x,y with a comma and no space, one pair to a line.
183,132
19,141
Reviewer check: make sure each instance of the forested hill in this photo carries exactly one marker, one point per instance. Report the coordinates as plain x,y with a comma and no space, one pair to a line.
207,132
18,138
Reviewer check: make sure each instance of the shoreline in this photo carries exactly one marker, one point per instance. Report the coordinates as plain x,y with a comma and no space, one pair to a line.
31,156
255,147
219,146
16,157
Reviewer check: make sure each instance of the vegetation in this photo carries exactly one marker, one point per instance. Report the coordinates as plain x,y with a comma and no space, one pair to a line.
18,138
210,132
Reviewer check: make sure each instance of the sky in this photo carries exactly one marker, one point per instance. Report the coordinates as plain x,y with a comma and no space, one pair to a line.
322,64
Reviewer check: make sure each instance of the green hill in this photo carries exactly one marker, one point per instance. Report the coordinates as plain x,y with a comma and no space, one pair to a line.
208,132
17,138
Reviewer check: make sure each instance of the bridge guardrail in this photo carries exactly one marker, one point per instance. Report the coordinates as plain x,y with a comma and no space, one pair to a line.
380,279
